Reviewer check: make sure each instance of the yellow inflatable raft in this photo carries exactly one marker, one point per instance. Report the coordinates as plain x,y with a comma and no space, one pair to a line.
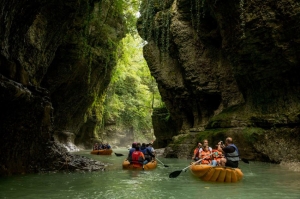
149,166
216,174
102,152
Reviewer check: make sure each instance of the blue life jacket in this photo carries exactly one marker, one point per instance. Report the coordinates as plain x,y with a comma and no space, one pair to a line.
234,156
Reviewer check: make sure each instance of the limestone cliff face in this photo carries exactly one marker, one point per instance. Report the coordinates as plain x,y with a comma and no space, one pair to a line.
228,65
56,59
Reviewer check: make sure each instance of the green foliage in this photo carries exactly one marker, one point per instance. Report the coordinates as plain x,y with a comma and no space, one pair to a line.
213,135
132,93
251,134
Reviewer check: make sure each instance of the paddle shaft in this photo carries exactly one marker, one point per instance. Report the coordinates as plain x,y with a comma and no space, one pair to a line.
161,162
196,162
245,160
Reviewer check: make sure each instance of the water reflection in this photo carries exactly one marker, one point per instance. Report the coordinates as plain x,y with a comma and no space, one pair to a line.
261,180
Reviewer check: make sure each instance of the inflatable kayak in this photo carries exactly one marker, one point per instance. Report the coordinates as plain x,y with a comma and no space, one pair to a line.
149,166
216,174
102,152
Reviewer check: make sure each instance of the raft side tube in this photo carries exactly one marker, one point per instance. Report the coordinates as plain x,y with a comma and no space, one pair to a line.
200,170
239,174
222,176
234,176
208,175
228,175
216,174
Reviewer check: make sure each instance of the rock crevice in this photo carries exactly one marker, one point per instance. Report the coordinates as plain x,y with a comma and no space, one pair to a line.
226,65
56,60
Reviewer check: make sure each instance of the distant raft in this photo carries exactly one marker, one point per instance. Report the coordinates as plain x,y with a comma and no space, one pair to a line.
149,166
102,152
216,174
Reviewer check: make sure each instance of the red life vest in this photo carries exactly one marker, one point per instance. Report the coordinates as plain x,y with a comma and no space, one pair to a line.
196,152
135,158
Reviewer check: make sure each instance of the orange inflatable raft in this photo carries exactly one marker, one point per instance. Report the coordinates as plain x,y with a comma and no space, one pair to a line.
149,166
216,174
102,152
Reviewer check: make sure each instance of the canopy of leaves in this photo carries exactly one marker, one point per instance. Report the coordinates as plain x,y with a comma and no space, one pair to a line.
132,93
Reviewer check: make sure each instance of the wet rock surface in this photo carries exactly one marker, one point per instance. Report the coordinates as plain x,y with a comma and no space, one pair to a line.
229,67
56,58
58,159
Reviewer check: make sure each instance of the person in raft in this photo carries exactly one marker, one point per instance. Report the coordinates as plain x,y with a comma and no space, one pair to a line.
206,156
196,152
106,146
150,146
131,151
137,157
231,153
95,147
100,146
205,143
147,153
217,155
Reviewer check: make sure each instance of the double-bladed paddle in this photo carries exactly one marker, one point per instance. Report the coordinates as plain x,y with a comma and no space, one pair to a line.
161,162
245,160
119,154
174,174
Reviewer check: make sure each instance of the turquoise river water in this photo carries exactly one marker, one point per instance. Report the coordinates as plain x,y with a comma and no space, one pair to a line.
261,180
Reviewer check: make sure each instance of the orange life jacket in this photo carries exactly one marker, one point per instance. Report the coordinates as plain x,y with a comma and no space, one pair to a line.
196,152
205,156
136,158
217,157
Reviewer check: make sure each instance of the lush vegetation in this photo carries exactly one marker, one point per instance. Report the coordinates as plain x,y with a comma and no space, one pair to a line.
132,93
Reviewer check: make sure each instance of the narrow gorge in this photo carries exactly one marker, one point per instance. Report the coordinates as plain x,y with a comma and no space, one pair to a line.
223,68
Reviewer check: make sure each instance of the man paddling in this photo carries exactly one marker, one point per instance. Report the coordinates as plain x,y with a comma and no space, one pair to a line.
231,153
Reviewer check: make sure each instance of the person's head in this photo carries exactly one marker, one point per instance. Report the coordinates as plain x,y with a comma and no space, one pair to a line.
228,141
138,144
205,148
143,146
205,142
150,144
133,145
137,148
199,144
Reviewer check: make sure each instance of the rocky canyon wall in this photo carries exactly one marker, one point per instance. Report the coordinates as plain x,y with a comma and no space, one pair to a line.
56,59
227,68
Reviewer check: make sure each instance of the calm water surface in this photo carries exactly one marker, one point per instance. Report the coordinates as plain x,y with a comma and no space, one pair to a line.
261,180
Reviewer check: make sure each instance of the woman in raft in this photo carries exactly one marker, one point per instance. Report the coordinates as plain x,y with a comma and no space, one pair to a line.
217,155
206,156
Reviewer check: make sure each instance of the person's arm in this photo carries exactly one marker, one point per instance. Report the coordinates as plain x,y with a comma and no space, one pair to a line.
208,157
229,149
142,156
220,146
150,153
129,155
200,150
